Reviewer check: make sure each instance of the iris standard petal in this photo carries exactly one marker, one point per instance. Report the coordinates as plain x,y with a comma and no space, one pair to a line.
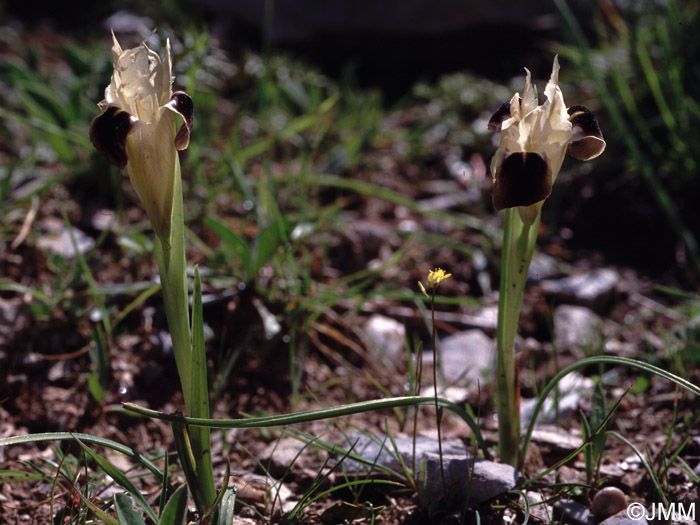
499,116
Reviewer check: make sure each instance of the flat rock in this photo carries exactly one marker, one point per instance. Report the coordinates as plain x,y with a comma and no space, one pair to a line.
542,267
476,479
56,238
468,480
15,317
593,289
485,317
466,357
572,388
279,456
388,335
574,513
621,518
381,451
575,327
555,438
265,493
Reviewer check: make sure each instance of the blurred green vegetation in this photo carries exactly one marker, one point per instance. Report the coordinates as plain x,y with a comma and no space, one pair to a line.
641,64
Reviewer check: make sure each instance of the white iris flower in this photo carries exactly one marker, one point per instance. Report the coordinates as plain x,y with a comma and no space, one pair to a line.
534,141
137,127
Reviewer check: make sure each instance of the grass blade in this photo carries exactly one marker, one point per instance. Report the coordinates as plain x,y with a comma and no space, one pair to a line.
175,511
126,512
86,438
315,415
119,477
204,491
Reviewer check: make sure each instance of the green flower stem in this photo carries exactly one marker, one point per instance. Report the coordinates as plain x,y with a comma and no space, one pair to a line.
518,245
173,281
438,412
190,361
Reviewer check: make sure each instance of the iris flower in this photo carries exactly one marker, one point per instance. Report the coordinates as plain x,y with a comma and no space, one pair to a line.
137,127
534,141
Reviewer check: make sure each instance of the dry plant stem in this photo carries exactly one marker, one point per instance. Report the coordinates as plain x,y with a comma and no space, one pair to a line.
438,412
173,278
518,245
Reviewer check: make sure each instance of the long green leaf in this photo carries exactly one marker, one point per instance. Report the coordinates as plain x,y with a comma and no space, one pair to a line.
175,511
86,438
652,475
173,279
106,518
119,477
315,415
239,245
367,188
204,491
126,512
228,503
595,360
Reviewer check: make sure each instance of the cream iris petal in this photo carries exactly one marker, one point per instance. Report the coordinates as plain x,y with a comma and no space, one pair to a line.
137,127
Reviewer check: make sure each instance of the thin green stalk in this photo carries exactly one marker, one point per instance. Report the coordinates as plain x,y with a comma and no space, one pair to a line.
191,366
518,245
438,411
173,281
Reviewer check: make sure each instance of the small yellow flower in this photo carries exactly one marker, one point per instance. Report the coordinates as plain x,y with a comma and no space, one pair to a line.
534,141
137,127
435,277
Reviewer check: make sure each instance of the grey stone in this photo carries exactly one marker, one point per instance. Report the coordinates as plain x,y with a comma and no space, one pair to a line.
572,388
621,518
575,327
388,335
467,479
542,267
15,317
574,512
279,456
468,356
593,289
264,492
555,438
56,238
474,479
381,451
485,317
